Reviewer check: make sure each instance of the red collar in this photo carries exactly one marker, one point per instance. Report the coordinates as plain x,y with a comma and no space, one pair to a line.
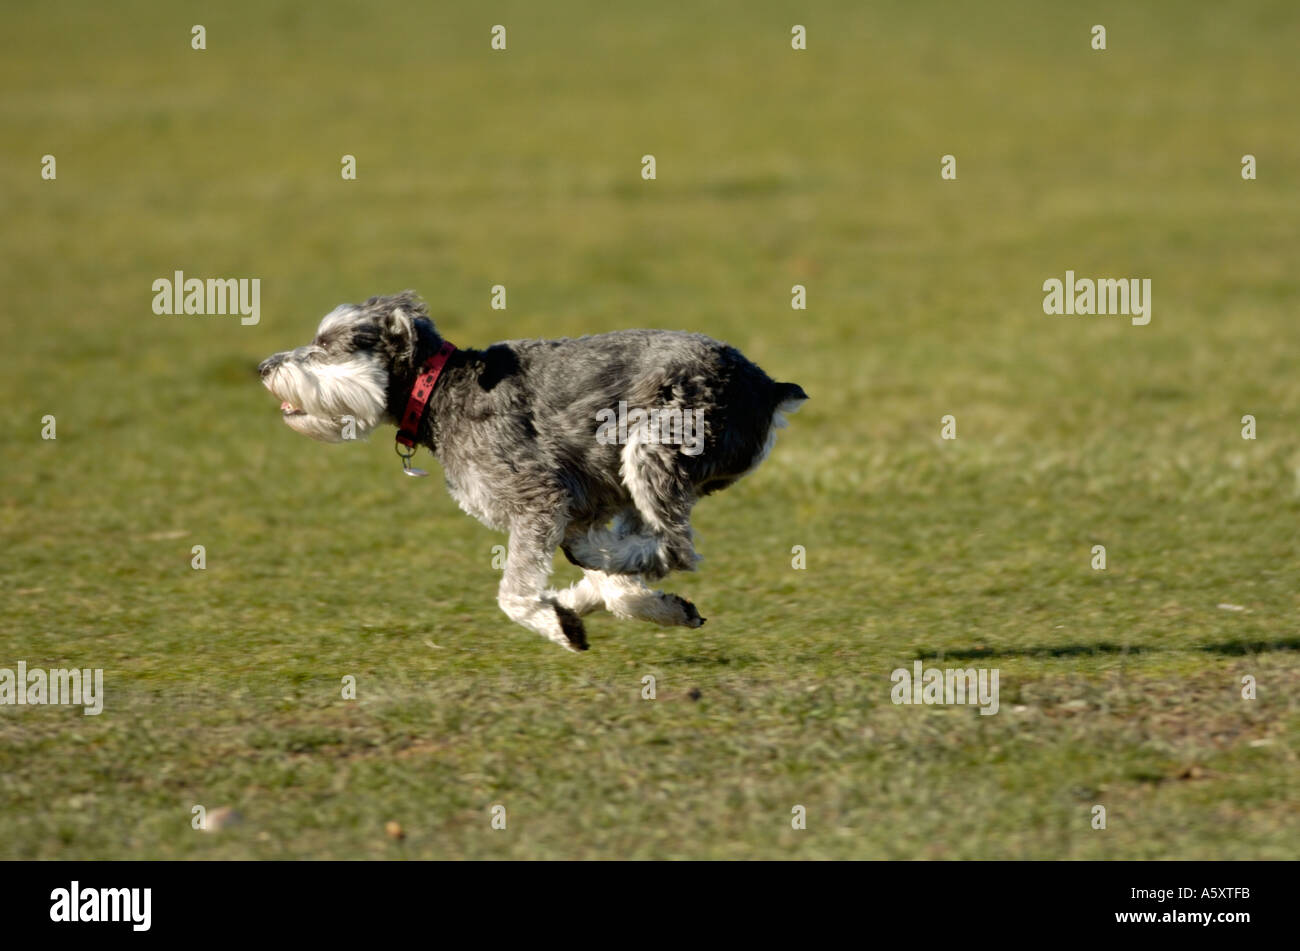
409,429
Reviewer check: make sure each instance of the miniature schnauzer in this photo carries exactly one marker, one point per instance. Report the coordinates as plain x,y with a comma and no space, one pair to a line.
535,438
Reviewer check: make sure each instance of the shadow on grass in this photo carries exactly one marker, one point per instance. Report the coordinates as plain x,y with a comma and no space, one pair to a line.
1240,646
1232,648
1066,650
716,660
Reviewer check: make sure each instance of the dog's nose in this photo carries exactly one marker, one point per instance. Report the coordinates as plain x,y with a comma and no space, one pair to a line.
269,364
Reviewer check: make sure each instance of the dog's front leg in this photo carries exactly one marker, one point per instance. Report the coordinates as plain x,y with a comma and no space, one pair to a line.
522,594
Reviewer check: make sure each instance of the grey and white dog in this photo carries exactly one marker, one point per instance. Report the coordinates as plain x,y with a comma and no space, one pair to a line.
536,438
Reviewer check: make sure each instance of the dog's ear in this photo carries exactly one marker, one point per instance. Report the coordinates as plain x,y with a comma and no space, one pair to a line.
398,326
402,315
398,322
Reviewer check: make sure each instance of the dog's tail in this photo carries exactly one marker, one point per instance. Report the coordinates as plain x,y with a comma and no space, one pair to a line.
789,397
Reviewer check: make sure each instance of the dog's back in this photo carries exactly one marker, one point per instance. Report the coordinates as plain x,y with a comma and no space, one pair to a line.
574,383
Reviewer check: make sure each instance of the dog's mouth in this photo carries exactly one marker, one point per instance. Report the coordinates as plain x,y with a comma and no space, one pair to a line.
288,409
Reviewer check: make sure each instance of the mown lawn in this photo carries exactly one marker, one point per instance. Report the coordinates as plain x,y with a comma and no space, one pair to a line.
1120,688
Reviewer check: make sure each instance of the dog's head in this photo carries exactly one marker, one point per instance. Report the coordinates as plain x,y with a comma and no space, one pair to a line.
344,383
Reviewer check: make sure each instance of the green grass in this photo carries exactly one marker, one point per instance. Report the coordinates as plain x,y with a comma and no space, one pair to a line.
1118,687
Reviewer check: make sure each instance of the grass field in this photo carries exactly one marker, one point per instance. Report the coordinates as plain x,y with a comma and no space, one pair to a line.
1119,687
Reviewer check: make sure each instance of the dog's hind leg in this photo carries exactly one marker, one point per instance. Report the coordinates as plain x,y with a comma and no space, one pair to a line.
633,548
581,597
523,595
624,594
629,598
663,496
653,537
599,549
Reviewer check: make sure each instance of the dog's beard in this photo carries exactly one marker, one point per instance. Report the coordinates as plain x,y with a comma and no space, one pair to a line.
319,398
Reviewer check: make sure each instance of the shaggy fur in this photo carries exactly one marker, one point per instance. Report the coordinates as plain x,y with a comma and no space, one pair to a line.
515,427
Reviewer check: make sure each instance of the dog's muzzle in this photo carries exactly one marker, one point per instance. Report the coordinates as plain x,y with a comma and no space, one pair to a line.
265,369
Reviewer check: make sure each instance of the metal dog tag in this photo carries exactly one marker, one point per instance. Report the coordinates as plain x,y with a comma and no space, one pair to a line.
405,454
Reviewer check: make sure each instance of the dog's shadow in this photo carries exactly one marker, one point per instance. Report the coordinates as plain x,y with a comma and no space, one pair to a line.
1234,648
